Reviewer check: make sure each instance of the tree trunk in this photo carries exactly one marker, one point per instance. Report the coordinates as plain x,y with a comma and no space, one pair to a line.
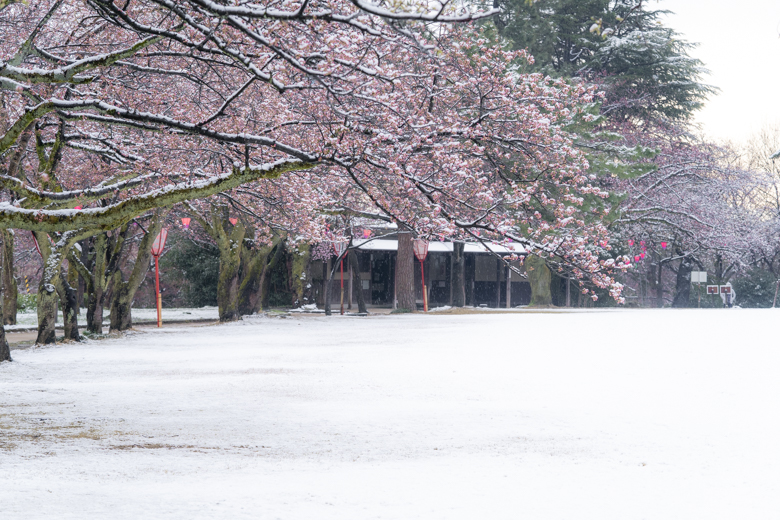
121,304
47,289
353,261
5,349
10,290
682,292
249,288
97,284
458,274
70,312
539,277
227,287
328,283
123,292
265,278
95,312
404,273
299,274
47,311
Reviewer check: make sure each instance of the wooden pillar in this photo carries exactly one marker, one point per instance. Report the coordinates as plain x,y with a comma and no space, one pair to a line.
498,282
508,287
349,284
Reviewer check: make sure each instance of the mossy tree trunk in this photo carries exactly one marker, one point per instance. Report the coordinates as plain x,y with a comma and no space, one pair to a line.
70,311
230,242
10,289
102,261
300,277
265,278
123,291
539,277
253,262
5,349
47,289
97,282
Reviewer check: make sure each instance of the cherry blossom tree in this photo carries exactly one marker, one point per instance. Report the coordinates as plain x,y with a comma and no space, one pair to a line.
343,106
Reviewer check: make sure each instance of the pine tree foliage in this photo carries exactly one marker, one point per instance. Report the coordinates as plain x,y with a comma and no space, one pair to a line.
644,66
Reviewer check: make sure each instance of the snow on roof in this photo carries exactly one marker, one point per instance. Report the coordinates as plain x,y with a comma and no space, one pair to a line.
383,244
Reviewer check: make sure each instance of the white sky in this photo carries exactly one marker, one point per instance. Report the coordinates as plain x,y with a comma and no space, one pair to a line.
739,42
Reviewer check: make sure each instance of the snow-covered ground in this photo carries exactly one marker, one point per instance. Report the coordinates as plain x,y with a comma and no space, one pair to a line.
25,320
589,415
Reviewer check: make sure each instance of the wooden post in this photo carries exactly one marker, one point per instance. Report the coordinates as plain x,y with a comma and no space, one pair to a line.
508,287
350,286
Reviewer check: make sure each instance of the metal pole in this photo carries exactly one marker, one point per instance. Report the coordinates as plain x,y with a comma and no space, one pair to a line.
425,293
341,268
157,289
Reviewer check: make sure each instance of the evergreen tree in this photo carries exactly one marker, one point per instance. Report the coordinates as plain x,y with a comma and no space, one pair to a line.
643,66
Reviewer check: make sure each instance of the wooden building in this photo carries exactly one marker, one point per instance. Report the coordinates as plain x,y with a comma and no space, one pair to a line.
485,275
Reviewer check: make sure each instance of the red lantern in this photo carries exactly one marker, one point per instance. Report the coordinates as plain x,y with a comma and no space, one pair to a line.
603,243
420,248
77,207
631,242
637,258
186,222
642,243
642,256
663,245
233,221
367,233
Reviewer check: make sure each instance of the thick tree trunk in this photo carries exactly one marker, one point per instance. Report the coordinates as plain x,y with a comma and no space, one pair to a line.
299,274
98,284
123,292
353,261
227,286
5,349
265,279
70,312
539,277
682,291
95,312
404,273
10,290
249,288
458,274
47,312
121,305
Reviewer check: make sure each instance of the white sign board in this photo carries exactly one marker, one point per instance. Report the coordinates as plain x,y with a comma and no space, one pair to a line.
698,276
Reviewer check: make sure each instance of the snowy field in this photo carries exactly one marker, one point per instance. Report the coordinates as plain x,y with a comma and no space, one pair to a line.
25,320
588,415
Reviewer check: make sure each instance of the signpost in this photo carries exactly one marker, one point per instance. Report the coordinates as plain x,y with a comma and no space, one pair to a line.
339,248
157,248
421,251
